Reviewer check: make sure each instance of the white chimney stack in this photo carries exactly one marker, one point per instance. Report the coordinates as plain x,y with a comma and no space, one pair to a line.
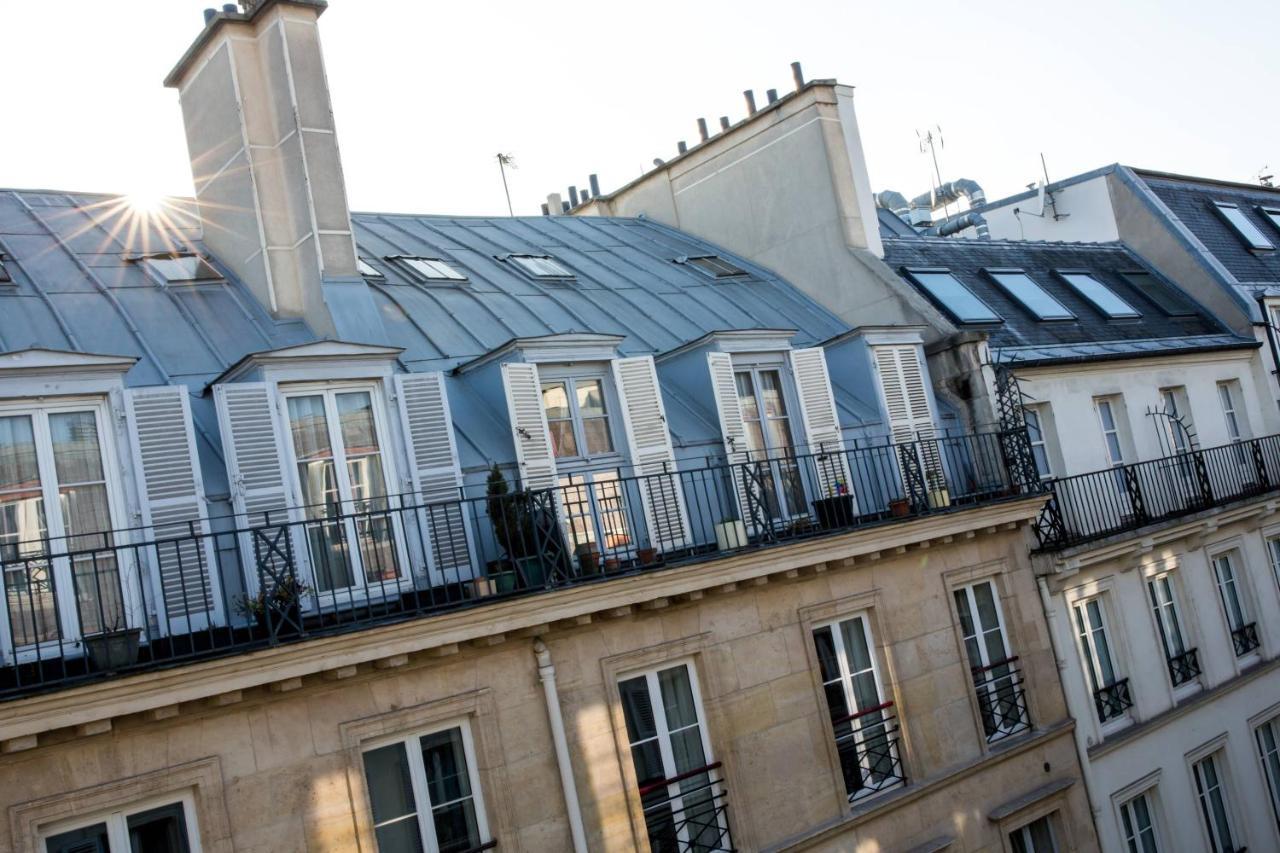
264,155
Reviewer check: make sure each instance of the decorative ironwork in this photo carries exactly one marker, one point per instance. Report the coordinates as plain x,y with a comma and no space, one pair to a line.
688,813
1014,442
1184,667
867,743
1245,639
1002,701
277,581
1112,700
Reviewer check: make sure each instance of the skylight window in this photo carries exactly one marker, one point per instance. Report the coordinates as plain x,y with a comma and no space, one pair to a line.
1168,299
4,273
1099,295
184,268
540,266
433,269
1248,232
957,299
713,265
1272,214
367,269
1031,295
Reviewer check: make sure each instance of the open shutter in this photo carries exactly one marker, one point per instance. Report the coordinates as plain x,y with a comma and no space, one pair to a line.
437,476
652,456
906,399
529,425
251,443
181,555
734,431
821,420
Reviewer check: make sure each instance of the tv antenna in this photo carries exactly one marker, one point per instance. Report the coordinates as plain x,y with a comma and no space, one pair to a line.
1265,178
505,160
930,141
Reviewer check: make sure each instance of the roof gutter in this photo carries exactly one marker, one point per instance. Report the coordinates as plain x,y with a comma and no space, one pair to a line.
1125,356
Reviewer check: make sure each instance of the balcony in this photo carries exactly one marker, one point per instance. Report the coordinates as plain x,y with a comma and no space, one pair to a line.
1245,639
688,813
1112,700
1002,701
116,602
867,742
1087,507
1184,667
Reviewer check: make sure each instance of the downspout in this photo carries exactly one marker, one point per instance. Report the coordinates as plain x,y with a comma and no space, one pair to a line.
547,674
1082,755
1271,334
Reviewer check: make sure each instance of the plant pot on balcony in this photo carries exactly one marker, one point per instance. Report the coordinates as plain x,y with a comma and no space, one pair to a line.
113,650
499,578
731,534
899,507
532,571
835,512
939,498
286,616
647,556
588,559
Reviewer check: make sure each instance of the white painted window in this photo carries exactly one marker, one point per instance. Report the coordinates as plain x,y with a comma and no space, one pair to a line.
433,269
1138,823
1177,421
164,826
1229,396
540,266
57,494
1215,803
341,474
767,420
1099,660
1035,837
990,659
671,754
1039,441
1268,737
1235,602
425,793
1113,439
865,732
367,269
595,510
578,417
184,268
1183,665
1273,548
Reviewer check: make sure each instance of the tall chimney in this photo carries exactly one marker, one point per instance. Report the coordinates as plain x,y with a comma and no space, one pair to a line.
264,155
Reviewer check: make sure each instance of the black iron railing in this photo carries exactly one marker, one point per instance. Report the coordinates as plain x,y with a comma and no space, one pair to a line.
688,813
120,601
867,742
1002,699
1184,667
1245,639
1086,507
1112,700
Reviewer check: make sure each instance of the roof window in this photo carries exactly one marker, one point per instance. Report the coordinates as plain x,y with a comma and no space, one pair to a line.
4,273
945,289
540,266
433,269
1168,299
712,265
1031,295
367,269
1099,295
1272,214
1248,232
178,268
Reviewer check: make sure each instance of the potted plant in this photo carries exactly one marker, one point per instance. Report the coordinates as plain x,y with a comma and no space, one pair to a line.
836,510
279,605
939,495
501,574
114,647
899,507
588,558
647,556
731,533
522,529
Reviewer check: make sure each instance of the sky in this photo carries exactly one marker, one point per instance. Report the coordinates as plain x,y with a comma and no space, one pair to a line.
426,94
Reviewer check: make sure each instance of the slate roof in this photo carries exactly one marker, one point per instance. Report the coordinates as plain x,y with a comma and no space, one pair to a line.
1092,334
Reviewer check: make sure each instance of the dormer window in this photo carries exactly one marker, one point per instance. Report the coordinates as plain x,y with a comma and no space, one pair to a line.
1099,295
954,298
713,266
541,266
577,417
1243,226
182,268
367,269
432,269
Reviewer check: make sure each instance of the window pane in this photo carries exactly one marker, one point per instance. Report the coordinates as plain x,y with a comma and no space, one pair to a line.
563,441
747,395
445,761
456,829
89,839
162,830
677,697
590,397
18,455
309,428
555,400
355,419
828,665
955,297
76,456
386,771
771,394
596,433
637,709
1033,297
1100,295
1243,225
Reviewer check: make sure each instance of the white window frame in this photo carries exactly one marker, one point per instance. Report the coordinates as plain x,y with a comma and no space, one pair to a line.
1269,758
1176,406
1023,834
1167,614
1244,227
1114,407
989,686
1124,807
1218,756
1235,420
117,821
411,743
39,411
755,365
1272,542
1043,418
569,377
361,589
1086,645
1235,561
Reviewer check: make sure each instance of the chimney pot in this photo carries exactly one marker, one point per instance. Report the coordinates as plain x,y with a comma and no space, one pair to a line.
564,206
573,196
702,129
553,204
798,75
209,15
682,146
546,211
751,101
772,95
724,122
230,8
594,181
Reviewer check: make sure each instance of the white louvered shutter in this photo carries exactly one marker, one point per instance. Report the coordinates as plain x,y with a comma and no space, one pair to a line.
529,425
180,555
821,420
906,399
437,476
652,456
734,432
251,443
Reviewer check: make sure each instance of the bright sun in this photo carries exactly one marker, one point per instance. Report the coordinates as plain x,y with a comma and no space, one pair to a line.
146,202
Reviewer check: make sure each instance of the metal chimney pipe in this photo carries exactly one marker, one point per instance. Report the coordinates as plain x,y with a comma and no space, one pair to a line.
230,9
573,196
702,129
772,95
546,211
594,181
682,146
564,207
751,101
724,122
209,15
797,75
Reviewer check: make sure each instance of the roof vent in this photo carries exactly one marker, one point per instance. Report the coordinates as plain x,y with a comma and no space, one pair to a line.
751,101
702,130
209,15
797,75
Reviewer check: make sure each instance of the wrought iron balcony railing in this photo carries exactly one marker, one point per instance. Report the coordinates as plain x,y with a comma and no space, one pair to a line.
688,813
1184,667
867,742
1112,700
93,605
1087,507
1002,701
1245,639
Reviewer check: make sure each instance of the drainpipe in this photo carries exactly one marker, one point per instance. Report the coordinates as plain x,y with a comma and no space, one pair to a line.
1271,334
547,674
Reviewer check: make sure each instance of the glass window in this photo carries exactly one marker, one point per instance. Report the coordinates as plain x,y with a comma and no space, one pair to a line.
1268,737
4,273
1169,299
770,439
434,269
1273,548
1272,214
577,417
159,829
715,266
1183,664
1110,431
1227,395
1137,821
1243,226
1235,603
1032,296
957,299
990,660
425,794
1039,444
541,266
367,269
1099,664
865,730
1100,295
1035,837
595,510
184,268
1177,419
1211,791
